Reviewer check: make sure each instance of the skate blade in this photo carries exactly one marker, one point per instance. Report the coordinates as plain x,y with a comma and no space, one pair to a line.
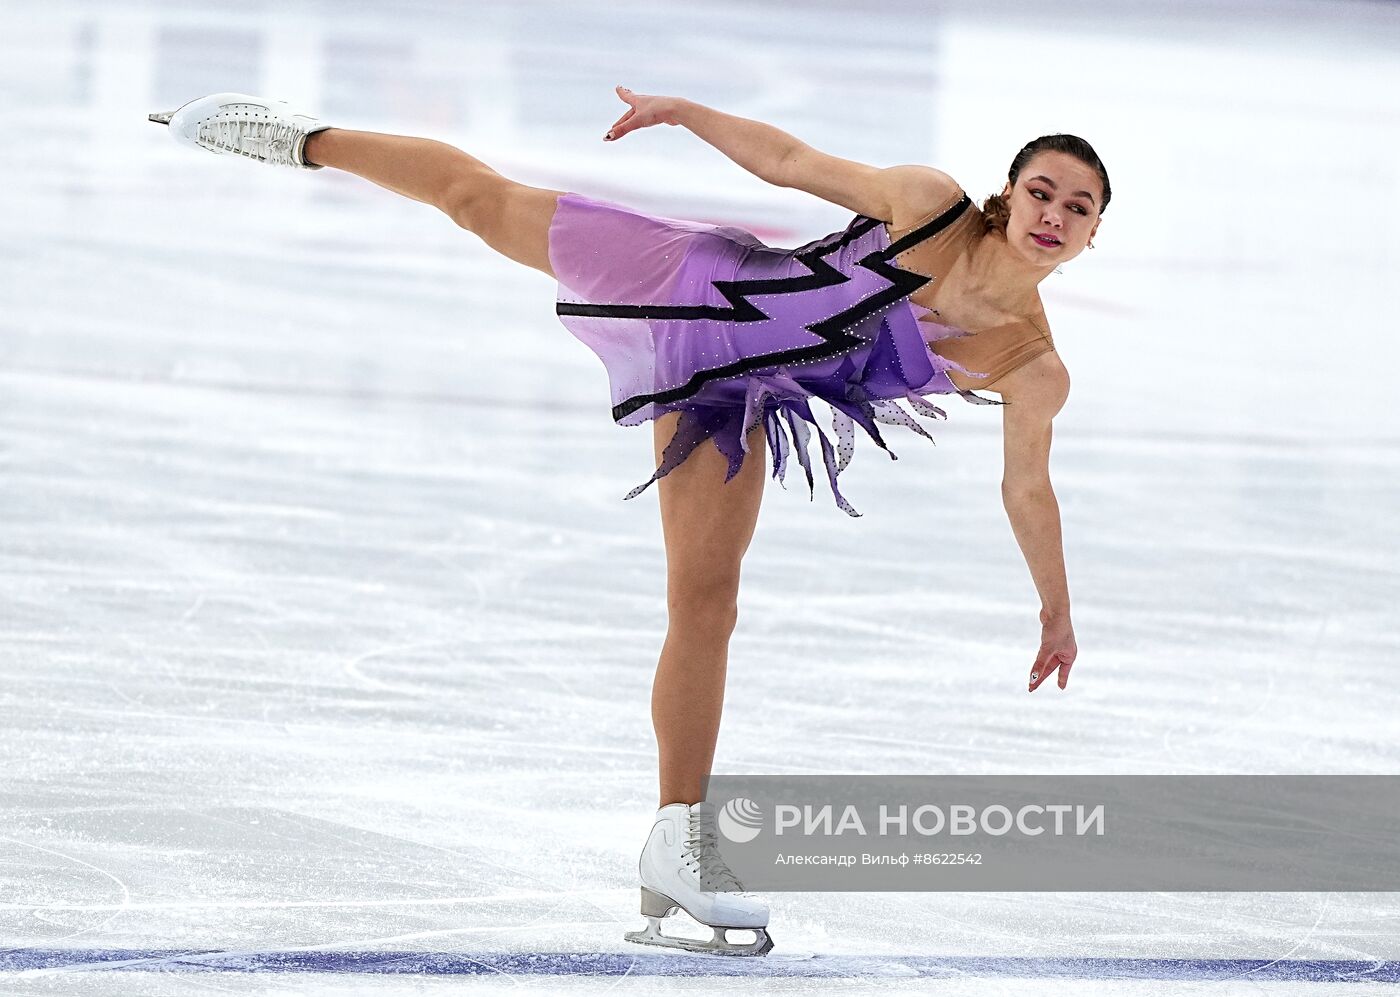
161,118
762,944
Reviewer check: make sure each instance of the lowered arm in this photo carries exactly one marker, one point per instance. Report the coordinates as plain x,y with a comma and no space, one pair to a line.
1034,394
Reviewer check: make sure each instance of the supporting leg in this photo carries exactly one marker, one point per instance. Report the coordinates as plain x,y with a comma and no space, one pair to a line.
707,525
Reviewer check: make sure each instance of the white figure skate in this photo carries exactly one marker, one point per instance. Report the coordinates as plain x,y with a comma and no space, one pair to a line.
681,868
270,131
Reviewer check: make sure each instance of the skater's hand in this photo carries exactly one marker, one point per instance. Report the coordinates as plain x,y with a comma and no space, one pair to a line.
643,111
1057,652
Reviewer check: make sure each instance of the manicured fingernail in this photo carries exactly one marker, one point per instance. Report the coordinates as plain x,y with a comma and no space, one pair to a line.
607,137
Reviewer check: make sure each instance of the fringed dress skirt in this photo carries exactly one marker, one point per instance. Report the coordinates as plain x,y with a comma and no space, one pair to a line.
709,321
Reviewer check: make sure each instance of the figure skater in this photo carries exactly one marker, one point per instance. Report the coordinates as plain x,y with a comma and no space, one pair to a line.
714,336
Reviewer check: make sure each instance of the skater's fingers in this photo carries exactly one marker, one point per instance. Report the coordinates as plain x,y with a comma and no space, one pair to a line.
1040,671
1064,673
619,127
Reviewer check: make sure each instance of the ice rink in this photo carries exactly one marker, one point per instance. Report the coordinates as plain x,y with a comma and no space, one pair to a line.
327,638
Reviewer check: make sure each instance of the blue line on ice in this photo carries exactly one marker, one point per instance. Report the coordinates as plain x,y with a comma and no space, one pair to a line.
684,964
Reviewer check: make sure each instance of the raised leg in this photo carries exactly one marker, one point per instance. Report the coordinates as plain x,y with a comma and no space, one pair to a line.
707,525
512,218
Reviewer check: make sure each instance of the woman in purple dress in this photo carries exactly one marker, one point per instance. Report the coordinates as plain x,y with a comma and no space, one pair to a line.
715,337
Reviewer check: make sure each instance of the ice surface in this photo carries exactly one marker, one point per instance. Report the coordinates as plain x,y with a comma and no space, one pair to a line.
320,634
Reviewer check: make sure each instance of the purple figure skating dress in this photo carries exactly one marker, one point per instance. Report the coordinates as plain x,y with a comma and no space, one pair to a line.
708,320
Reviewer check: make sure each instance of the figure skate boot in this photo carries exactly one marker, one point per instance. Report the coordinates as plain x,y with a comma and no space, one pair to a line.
270,131
681,868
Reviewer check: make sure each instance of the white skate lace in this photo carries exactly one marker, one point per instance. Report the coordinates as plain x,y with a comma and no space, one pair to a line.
270,141
702,855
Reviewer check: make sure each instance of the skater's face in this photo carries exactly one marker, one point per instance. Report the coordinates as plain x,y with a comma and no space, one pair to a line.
1057,195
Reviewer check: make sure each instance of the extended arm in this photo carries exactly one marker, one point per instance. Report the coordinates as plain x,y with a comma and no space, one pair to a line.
1035,394
894,194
